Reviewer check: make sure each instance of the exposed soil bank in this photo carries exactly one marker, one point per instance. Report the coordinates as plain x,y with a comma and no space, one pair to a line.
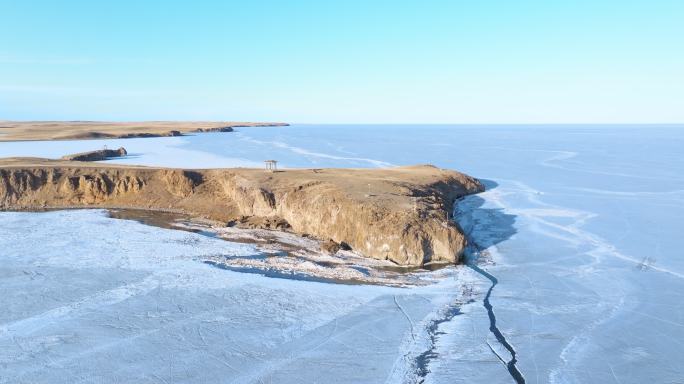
397,214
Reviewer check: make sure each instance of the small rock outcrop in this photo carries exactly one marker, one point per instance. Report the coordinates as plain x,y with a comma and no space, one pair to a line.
260,222
97,155
216,129
330,246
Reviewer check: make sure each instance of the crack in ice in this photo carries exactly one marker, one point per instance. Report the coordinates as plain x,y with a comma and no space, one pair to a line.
494,329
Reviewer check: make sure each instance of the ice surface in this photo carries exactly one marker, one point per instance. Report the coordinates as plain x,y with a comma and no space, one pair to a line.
580,225
157,151
88,298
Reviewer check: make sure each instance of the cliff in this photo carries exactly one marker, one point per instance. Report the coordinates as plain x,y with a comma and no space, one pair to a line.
398,214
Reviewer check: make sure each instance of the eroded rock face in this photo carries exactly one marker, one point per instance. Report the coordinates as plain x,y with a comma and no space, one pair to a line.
22,187
402,219
179,182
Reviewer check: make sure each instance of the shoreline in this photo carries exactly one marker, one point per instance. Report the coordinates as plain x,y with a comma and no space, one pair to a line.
91,130
284,255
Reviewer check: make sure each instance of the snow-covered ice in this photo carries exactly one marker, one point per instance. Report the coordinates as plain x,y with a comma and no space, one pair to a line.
580,226
88,298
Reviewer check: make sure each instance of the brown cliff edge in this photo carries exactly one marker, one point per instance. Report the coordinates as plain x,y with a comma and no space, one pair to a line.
82,130
398,214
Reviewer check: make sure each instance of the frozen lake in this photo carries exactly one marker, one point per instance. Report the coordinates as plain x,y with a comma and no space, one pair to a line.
579,226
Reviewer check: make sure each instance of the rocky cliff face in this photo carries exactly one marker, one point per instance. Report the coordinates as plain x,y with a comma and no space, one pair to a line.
396,214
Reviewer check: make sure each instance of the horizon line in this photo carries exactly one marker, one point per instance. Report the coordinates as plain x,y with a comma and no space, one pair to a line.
331,123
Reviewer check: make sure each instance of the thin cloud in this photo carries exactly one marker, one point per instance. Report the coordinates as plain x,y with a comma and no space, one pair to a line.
45,61
84,91
15,59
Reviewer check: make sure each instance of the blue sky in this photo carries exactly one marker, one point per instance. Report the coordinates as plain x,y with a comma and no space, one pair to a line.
452,61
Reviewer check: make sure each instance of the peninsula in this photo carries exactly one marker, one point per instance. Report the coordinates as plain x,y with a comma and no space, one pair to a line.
399,214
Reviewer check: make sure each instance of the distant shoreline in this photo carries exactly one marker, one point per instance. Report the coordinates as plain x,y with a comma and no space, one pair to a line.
90,130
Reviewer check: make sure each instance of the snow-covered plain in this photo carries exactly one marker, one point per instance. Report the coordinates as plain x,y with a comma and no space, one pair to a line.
580,226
